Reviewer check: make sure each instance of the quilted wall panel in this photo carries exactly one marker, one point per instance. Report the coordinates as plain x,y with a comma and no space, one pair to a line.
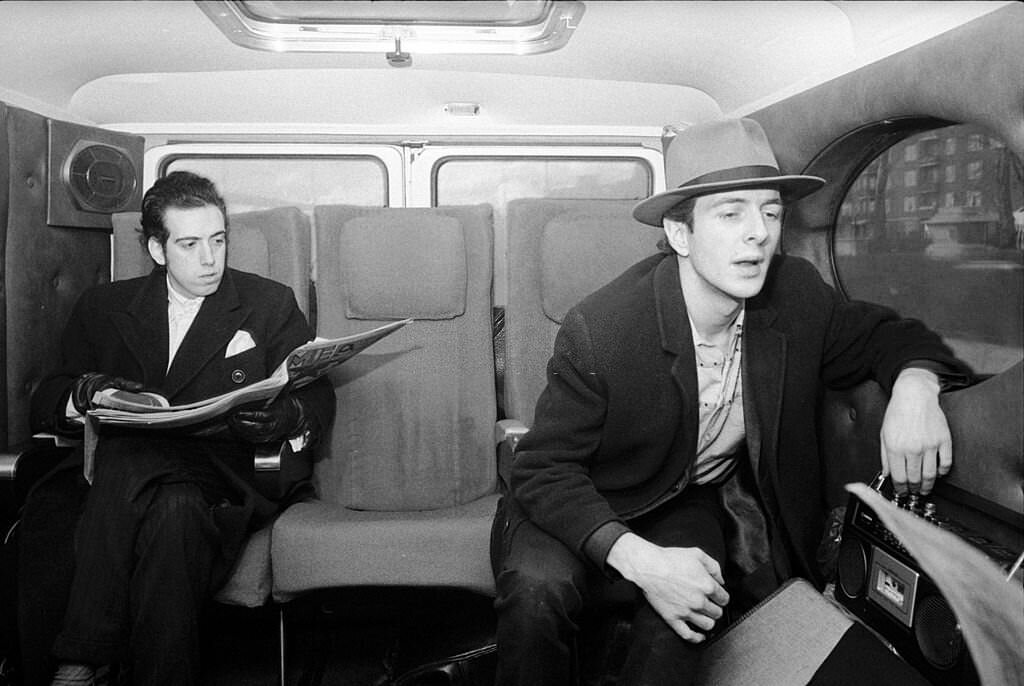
45,268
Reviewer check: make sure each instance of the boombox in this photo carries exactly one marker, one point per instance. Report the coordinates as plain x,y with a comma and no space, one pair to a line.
882,584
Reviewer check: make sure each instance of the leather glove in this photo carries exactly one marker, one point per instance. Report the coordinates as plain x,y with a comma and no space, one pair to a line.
86,385
258,424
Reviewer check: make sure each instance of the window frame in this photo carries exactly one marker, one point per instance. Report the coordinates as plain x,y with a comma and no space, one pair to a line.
423,170
390,156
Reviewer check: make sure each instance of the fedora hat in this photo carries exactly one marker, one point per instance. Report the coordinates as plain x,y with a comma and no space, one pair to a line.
716,156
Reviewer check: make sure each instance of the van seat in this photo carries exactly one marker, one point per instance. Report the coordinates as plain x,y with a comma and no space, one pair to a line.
406,483
559,251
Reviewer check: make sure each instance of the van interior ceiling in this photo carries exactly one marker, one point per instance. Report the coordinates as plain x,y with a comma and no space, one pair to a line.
142,66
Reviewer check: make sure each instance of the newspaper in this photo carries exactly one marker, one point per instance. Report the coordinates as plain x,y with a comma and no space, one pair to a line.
303,365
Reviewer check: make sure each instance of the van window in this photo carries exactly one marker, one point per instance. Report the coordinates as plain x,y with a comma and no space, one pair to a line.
258,183
464,180
498,180
947,249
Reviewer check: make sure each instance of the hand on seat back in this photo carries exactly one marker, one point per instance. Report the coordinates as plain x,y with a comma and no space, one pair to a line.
258,424
87,385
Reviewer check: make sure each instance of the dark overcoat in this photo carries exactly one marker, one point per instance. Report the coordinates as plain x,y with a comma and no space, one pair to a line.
615,430
121,329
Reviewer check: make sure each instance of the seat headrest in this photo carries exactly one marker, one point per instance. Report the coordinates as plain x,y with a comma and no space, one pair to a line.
404,265
582,251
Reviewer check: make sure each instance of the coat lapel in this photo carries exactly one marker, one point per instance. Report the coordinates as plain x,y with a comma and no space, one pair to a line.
143,327
677,339
219,318
764,367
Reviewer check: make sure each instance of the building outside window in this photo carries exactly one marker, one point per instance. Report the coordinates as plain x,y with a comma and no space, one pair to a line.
957,239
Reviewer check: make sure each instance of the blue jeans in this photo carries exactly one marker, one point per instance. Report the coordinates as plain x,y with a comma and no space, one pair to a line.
543,589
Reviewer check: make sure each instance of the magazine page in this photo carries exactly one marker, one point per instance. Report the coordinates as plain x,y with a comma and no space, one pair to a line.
311,361
302,366
137,401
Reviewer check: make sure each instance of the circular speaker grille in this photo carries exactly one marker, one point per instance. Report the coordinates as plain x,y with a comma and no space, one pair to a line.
937,632
852,568
101,178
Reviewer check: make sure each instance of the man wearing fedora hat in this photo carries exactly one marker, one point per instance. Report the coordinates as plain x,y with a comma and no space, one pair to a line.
675,444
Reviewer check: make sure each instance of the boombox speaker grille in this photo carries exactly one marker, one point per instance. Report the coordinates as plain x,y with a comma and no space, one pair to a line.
852,567
938,633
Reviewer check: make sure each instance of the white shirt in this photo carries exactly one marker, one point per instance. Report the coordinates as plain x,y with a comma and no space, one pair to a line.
181,312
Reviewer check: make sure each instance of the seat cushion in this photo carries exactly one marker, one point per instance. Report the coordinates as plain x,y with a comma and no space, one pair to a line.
322,545
250,584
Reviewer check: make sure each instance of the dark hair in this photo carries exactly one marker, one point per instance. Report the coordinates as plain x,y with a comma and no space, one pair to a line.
681,212
179,189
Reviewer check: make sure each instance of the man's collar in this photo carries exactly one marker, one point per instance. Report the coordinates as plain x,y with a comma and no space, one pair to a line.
735,327
176,299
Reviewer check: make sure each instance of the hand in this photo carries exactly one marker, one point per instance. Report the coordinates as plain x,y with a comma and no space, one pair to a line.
683,585
915,440
258,424
87,385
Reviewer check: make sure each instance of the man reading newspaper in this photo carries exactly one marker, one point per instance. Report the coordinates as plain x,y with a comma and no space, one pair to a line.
166,516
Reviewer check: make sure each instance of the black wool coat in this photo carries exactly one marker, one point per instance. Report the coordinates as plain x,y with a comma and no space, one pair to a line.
615,430
121,329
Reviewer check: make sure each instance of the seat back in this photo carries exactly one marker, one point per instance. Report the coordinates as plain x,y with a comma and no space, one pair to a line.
559,251
273,243
415,412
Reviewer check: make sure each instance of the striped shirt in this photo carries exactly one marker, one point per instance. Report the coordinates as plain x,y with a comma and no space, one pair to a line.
720,390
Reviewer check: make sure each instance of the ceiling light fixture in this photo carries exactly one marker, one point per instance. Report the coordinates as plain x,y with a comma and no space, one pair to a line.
516,27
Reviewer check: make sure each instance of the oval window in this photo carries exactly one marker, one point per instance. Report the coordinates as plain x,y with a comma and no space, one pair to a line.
934,228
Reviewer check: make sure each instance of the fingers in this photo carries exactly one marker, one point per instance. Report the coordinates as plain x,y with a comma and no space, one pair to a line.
693,625
254,416
713,568
917,473
946,456
127,384
686,632
699,614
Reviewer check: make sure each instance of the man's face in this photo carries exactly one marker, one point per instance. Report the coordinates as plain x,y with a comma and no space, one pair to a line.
730,245
196,249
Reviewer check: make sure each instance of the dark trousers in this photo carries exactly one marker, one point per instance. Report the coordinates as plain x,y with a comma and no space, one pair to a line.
159,532
543,589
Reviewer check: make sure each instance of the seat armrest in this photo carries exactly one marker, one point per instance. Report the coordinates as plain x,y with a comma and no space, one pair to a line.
507,433
26,463
9,466
21,454
268,460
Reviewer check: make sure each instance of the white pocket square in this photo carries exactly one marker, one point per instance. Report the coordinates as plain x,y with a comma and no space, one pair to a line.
241,342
